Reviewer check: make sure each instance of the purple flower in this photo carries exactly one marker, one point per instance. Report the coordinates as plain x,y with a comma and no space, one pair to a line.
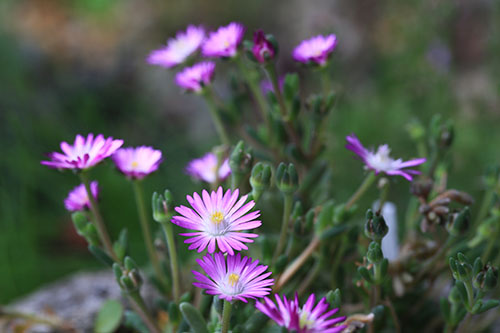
218,218
380,161
267,86
224,42
316,49
263,50
78,199
205,168
194,78
179,48
308,319
238,280
83,154
138,162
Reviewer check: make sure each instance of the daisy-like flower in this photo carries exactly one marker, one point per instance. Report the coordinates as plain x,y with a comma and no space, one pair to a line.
78,199
205,168
224,42
178,49
316,49
306,319
138,162
84,153
194,78
380,161
218,219
239,279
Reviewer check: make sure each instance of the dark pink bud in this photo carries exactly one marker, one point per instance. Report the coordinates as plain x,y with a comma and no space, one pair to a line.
263,50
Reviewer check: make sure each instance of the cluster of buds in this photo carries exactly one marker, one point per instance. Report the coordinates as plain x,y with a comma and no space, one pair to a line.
260,179
375,226
128,276
287,179
376,270
437,211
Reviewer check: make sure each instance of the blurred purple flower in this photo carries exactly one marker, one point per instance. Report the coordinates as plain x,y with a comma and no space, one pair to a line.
205,168
316,49
308,319
263,50
178,49
194,78
238,280
224,42
138,162
218,219
78,199
266,85
84,153
380,161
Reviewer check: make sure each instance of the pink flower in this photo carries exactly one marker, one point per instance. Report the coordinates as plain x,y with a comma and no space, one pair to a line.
194,78
238,280
224,42
205,168
137,162
380,161
263,50
179,48
316,49
78,199
308,319
218,219
83,154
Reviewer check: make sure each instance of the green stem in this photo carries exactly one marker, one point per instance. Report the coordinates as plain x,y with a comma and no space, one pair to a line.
226,316
49,321
254,89
142,310
485,206
98,220
167,229
146,231
365,185
287,209
470,295
216,118
273,77
491,244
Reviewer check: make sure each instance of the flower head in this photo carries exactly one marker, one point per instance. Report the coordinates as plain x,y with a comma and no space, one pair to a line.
218,218
84,153
239,279
224,42
306,319
194,78
380,161
205,168
137,162
78,199
178,49
316,49
263,50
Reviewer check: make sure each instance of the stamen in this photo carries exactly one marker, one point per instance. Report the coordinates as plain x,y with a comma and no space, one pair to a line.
217,218
135,164
233,279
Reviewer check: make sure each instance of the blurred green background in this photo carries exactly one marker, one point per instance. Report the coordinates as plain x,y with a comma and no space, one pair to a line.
69,67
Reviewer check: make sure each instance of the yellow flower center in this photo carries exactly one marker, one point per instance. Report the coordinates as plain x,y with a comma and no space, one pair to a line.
226,43
233,279
216,218
304,321
135,164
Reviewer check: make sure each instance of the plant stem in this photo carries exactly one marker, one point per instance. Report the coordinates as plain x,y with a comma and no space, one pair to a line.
146,231
254,89
98,220
226,316
142,310
297,263
365,185
485,206
167,229
273,77
287,209
45,320
216,118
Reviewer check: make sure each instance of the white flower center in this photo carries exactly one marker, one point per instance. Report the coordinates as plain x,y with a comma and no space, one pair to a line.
232,285
304,321
381,160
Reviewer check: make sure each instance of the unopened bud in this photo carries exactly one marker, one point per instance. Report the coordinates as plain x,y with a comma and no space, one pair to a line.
241,159
375,226
491,278
264,47
162,207
260,180
287,178
334,298
374,254
460,222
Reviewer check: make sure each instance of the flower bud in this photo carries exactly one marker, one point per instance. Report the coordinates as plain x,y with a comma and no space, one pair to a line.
491,278
374,254
162,207
375,226
460,222
263,48
287,178
334,298
260,180
241,159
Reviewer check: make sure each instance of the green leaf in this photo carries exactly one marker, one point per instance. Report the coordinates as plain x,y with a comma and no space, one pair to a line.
194,318
109,317
101,255
133,321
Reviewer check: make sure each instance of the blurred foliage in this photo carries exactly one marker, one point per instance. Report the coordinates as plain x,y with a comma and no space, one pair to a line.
78,66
